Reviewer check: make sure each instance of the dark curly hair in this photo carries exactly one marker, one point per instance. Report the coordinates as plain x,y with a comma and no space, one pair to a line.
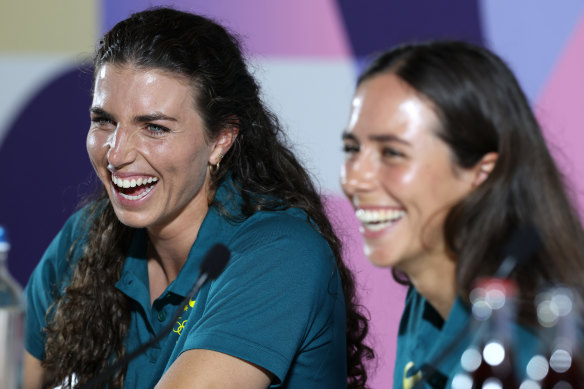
265,172
482,109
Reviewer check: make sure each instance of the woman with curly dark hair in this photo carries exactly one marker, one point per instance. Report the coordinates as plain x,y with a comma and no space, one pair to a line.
189,156
445,161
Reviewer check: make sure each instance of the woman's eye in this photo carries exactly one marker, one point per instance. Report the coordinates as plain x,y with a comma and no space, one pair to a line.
101,121
351,149
156,129
389,152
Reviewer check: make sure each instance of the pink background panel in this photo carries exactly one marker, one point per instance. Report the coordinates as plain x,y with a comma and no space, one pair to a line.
305,28
561,111
300,28
382,296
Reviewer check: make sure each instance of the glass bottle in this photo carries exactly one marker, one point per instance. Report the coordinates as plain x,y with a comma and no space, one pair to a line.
559,366
11,322
489,361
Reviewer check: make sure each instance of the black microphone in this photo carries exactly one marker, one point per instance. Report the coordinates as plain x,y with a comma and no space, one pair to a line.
519,249
213,264
522,245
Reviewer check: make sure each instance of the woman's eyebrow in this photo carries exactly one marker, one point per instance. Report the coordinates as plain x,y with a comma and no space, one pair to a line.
152,117
348,136
388,138
101,112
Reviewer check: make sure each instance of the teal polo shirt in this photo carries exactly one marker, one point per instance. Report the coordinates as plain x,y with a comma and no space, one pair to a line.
278,304
425,340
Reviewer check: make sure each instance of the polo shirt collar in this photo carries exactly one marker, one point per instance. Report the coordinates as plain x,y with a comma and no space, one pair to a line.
214,225
207,237
452,338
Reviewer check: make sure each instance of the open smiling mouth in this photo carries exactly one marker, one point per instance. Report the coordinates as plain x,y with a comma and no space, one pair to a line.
134,189
378,219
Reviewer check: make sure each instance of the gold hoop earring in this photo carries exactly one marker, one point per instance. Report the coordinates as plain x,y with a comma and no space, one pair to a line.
214,168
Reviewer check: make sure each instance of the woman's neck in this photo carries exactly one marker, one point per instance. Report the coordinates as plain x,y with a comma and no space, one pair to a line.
435,279
168,250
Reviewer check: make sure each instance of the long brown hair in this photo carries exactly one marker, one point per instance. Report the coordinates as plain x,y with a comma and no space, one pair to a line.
265,171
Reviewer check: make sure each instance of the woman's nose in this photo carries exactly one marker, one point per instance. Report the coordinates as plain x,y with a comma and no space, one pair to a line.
121,150
359,173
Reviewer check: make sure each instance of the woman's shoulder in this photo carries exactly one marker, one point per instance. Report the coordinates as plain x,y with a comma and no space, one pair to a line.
290,226
67,245
290,220
272,220
288,238
78,223
77,226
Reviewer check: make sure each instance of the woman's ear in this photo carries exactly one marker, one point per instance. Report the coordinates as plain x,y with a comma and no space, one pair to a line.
223,143
484,167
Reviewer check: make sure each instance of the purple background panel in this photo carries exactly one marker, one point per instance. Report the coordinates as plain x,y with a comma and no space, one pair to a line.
376,25
307,28
530,37
46,167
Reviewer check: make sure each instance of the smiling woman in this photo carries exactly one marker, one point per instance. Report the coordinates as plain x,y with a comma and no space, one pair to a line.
399,174
444,161
144,128
189,156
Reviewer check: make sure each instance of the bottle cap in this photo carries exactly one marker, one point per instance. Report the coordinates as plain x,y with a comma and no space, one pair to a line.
4,244
505,286
491,293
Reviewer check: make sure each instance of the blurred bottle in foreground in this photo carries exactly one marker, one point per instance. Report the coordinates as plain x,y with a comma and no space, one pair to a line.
11,322
559,366
489,361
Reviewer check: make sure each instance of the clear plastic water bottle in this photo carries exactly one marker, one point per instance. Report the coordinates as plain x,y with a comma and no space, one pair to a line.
11,322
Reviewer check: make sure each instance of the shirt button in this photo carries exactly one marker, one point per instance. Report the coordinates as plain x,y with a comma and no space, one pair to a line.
161,316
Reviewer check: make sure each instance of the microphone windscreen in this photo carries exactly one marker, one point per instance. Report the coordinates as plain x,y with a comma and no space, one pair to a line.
523,244
215,261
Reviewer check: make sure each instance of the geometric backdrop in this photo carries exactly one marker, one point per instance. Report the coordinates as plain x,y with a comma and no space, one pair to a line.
307,55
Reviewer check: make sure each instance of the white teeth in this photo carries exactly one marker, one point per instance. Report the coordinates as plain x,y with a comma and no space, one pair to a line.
379,218
378,226
121,183
137,197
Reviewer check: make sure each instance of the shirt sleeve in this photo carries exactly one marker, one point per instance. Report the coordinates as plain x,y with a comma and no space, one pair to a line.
45,285
279,295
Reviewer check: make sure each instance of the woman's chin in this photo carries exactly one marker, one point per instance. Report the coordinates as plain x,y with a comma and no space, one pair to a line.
378,257
131,219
